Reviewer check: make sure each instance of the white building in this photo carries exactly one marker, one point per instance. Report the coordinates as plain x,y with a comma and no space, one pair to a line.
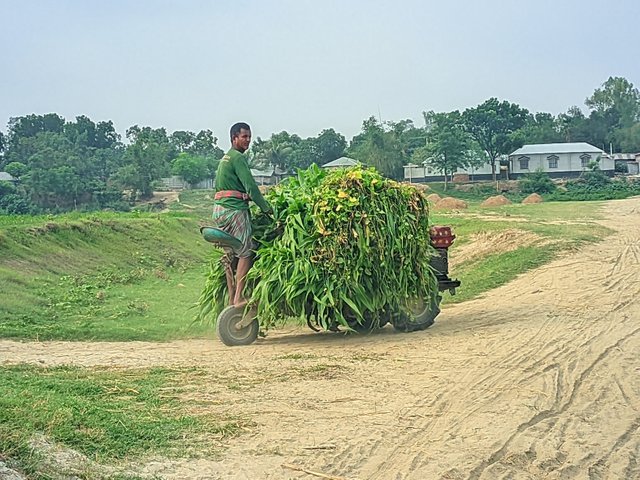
629,160
425,173
342,162
558,159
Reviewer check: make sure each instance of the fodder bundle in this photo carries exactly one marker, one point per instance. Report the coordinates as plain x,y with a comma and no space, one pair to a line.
343,246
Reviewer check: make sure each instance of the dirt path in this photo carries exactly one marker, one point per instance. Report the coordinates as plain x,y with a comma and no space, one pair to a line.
537,379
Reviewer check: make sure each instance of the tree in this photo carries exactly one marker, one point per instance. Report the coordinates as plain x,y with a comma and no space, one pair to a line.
629,138
2,148
16,169
277,151
573,126
614,108
378,148
448,143
53,179
328,146
182,140
619,97
493,124
149,154
192,168
540,128
206,144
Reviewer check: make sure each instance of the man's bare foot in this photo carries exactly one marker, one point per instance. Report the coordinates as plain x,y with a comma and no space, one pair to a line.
240,303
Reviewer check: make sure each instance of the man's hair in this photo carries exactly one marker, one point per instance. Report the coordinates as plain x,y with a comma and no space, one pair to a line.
235,129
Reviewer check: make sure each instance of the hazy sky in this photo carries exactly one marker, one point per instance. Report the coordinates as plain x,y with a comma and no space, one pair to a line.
303,66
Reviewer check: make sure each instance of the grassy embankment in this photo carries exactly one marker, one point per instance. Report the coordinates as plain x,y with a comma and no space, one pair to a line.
126,277
100,277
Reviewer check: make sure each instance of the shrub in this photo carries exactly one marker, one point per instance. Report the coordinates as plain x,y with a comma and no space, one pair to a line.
537,182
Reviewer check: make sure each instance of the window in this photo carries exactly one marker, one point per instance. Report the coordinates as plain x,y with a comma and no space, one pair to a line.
524,163
585,158
553,161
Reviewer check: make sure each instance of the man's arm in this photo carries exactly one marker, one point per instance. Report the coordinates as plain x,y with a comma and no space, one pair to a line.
250,185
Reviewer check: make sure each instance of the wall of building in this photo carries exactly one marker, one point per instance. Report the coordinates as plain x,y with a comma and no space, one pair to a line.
568,164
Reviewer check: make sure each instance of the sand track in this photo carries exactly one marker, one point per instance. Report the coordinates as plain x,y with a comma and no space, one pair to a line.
537,379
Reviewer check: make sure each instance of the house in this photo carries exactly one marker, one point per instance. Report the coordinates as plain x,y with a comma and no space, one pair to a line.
342,162
558,159
421,173
628,162
270,176
5,177
264,177
426,173
176,182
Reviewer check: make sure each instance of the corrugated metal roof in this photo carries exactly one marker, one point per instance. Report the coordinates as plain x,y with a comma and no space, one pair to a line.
261,173
6,177
624,156
342,162
548,148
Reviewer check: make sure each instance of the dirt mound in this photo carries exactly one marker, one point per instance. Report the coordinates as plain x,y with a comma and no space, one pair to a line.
450,203
533,198
434,198
495,201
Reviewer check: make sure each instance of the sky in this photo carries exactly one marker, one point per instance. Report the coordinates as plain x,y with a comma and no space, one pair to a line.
304,66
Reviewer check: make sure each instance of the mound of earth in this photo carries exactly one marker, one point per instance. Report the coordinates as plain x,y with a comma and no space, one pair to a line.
434,198
533,198
495,201
450,203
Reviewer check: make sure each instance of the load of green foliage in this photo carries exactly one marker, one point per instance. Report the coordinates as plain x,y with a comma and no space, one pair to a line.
344,248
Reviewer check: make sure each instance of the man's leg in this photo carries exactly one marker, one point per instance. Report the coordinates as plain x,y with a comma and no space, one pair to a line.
244,265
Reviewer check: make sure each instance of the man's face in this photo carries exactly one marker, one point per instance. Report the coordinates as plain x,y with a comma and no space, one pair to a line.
242,140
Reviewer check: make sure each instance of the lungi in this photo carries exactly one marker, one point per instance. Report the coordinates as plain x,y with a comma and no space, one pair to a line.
236,223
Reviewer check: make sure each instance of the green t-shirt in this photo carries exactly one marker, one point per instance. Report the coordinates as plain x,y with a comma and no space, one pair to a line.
234,174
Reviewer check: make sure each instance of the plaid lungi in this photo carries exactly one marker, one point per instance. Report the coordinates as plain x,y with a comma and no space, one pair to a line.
236,223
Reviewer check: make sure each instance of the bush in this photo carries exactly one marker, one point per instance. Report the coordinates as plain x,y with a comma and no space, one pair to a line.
13,204
596,186
537,182
594,179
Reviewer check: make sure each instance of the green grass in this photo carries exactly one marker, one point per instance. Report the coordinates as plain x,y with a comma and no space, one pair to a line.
197,203
148,308
101,277
104,414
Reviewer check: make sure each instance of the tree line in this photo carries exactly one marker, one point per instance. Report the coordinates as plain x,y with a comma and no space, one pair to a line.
63,165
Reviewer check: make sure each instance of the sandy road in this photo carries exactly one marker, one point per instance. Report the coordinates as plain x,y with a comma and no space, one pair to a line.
537,379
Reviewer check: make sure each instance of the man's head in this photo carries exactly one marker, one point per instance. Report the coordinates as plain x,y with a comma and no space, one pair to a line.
240,136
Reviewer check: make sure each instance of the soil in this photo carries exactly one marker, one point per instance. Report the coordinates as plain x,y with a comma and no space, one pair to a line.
483,244
539,378
450,203
495,201
160,200
434,198
533,198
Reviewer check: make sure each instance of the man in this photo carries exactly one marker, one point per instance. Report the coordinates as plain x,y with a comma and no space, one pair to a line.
235,187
